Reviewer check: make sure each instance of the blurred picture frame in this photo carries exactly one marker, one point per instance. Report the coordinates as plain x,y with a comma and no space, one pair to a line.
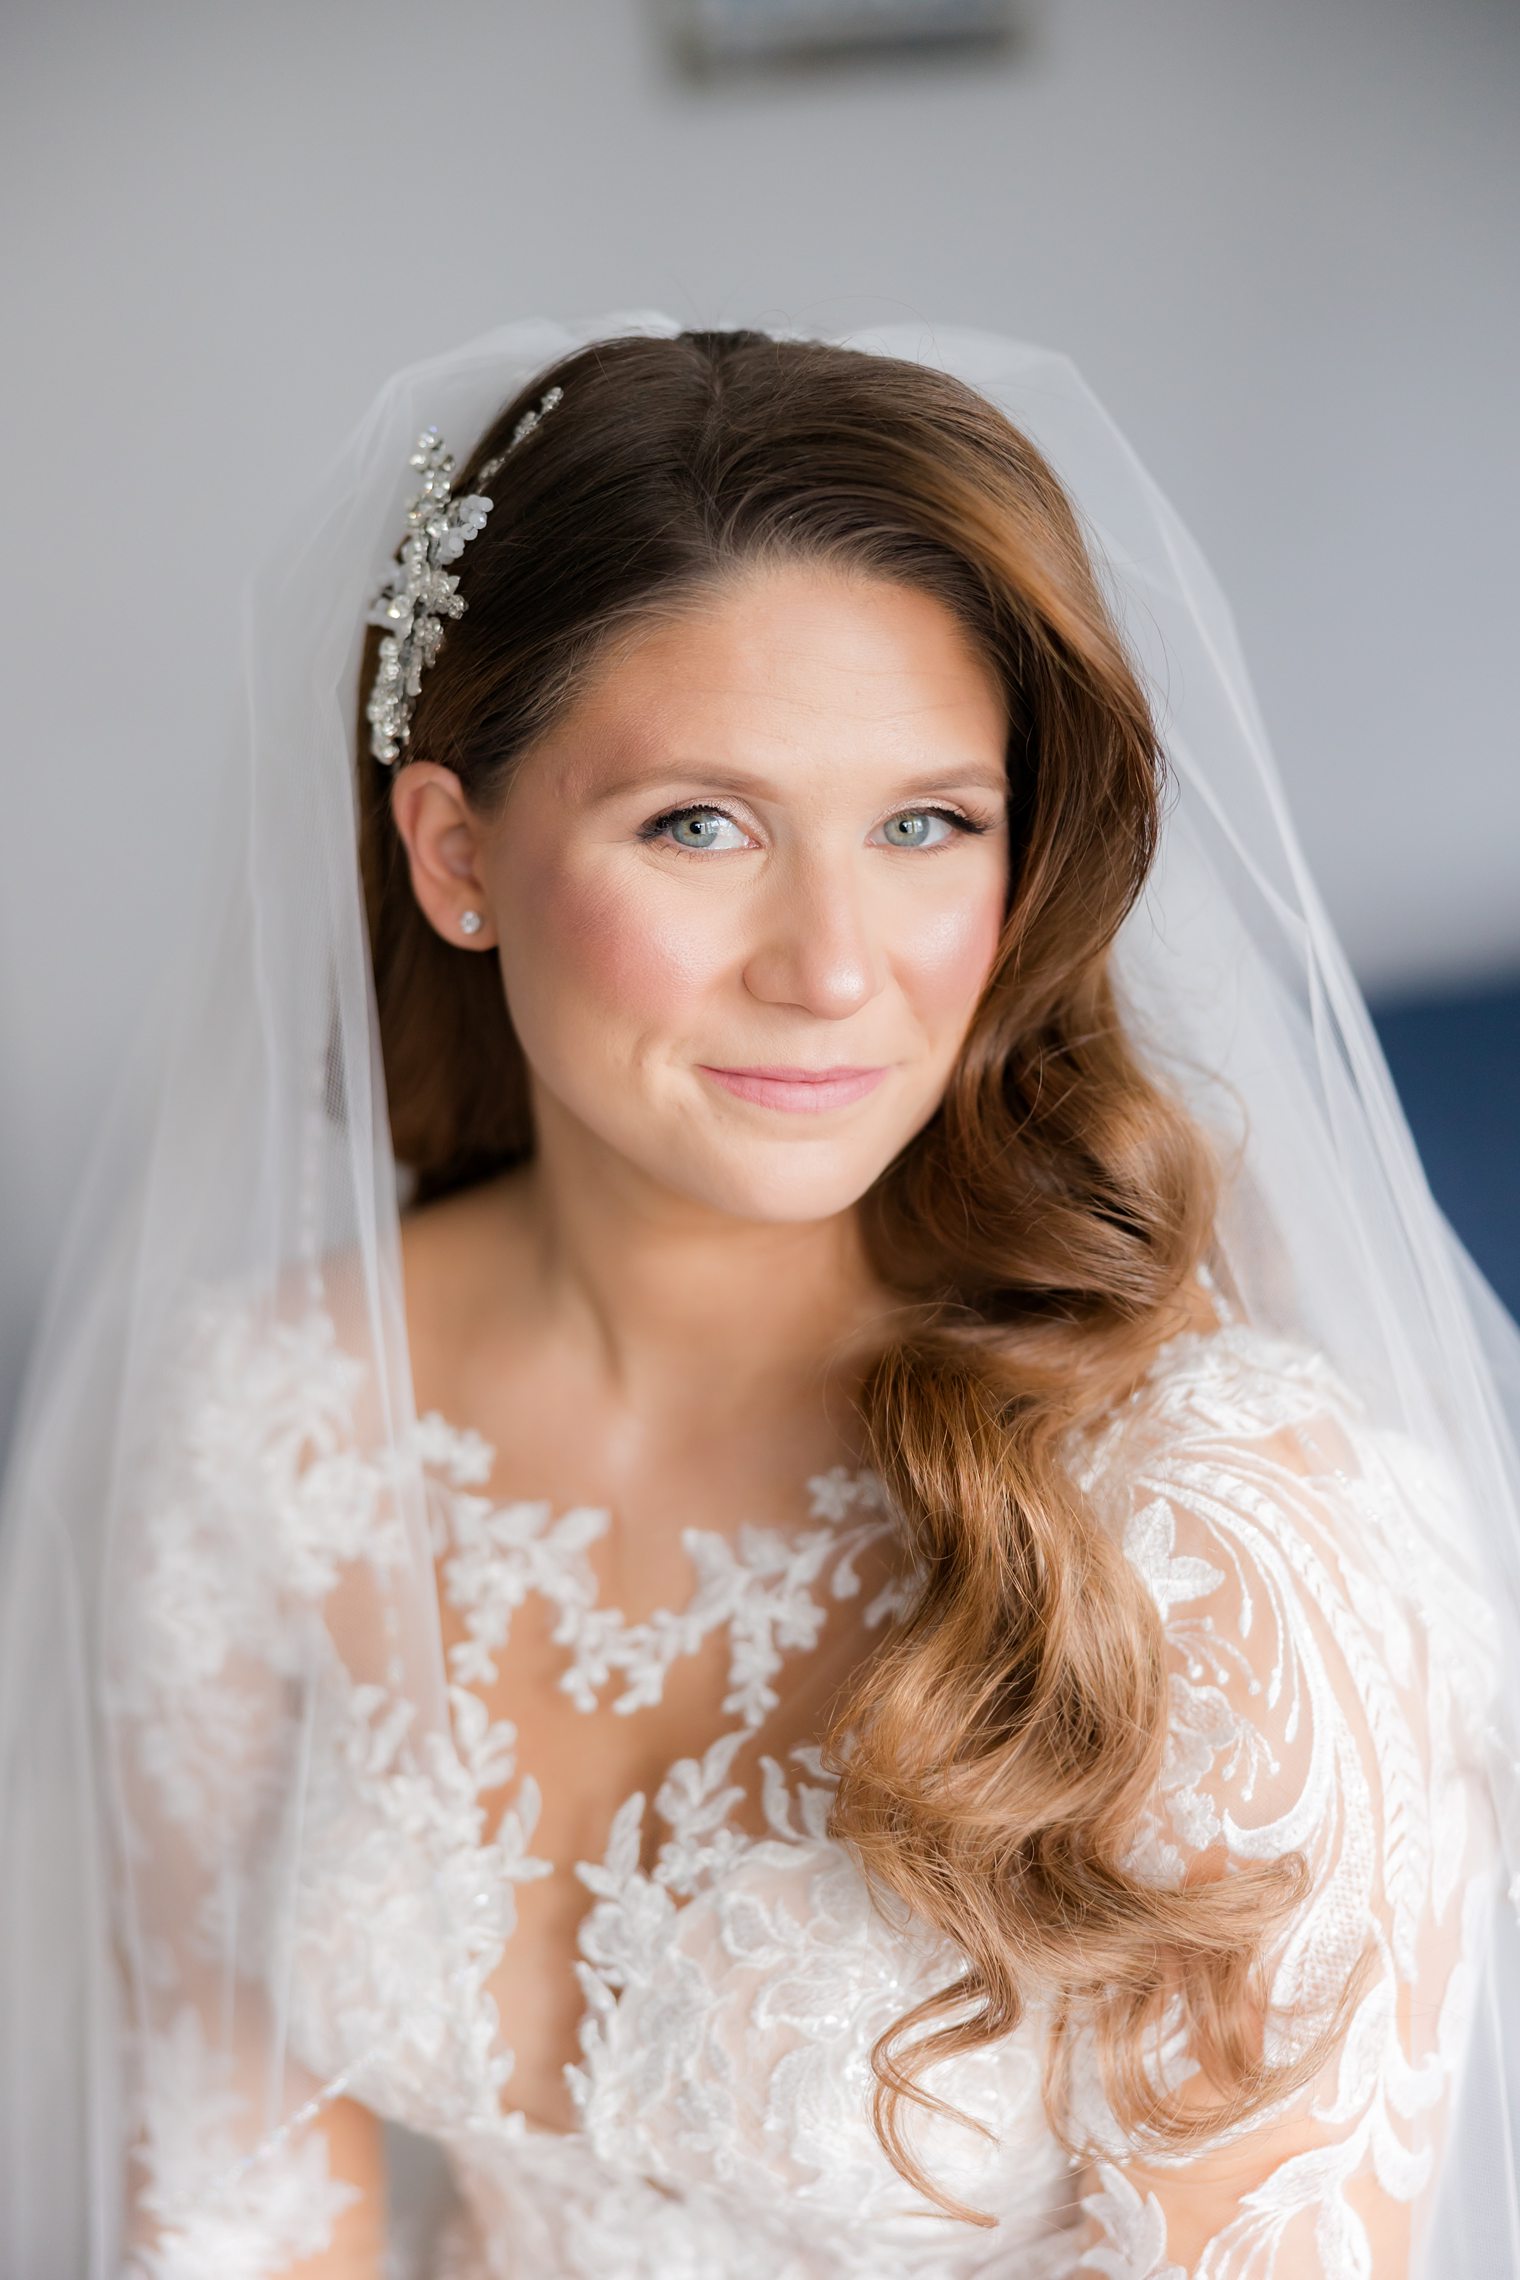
715,34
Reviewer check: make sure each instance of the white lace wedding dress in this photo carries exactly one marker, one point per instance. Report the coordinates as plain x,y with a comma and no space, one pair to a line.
725,1962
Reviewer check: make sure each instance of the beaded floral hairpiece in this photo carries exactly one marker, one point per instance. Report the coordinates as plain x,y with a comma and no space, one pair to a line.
420,592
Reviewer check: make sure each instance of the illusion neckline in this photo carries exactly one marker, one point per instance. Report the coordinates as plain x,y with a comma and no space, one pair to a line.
491,1553
769,1567
465,1459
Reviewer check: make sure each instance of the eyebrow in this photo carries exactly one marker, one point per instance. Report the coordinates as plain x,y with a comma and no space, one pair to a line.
722,776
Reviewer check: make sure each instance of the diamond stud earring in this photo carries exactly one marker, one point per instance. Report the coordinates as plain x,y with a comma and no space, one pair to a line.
470,922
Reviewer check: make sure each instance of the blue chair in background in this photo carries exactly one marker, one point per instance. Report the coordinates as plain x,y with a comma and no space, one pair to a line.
1456,1062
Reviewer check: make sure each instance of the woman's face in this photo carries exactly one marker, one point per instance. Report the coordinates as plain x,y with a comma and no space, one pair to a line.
746,894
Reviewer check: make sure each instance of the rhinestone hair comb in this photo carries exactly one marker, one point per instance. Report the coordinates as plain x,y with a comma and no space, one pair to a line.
420,591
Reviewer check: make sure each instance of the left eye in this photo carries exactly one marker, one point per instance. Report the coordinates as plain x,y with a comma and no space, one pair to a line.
911,829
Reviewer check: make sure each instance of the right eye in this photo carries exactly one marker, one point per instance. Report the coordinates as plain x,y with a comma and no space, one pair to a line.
704,822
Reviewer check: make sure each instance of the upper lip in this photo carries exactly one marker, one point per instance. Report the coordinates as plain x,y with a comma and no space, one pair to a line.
798,1076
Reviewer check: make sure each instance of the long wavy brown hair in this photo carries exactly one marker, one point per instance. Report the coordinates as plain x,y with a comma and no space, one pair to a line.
1047,1226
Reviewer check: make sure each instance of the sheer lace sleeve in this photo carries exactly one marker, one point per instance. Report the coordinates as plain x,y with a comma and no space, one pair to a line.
1327,1669
246,1506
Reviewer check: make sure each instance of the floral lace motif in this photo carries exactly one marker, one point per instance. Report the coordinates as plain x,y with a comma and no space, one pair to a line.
265,2214
759,1589
1327,1681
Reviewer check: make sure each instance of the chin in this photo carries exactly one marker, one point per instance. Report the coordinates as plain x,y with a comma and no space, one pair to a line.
782,1186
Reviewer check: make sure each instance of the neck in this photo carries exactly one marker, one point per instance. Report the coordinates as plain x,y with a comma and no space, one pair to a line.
675,1303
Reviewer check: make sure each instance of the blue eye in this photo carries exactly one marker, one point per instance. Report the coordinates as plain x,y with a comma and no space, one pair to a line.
702,822
908,829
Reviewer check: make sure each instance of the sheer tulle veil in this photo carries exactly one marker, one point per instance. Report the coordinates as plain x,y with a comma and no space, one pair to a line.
249,1147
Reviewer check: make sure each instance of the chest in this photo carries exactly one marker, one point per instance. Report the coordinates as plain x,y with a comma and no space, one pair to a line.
636,1714
610,1928
691,2003
634,1766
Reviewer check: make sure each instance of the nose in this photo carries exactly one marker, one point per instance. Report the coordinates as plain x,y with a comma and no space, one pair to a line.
815,943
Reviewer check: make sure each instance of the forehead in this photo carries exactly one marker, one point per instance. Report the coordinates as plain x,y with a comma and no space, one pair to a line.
789,665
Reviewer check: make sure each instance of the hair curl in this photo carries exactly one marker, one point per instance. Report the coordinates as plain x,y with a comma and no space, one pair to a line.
1047,1225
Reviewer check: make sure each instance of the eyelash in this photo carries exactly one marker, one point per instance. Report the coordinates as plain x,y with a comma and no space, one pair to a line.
657,824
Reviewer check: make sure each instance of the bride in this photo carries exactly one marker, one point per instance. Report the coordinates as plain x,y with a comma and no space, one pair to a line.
758,1487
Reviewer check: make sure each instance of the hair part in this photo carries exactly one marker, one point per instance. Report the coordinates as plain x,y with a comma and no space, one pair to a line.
1047,1225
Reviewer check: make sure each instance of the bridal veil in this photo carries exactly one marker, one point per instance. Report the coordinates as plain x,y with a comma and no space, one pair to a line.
248,1149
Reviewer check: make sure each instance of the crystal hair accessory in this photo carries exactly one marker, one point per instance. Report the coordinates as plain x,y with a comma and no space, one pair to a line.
420,591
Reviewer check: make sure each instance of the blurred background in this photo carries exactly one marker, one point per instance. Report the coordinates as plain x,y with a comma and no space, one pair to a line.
1280,241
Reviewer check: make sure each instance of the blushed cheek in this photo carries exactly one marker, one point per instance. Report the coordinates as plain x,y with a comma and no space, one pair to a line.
610,954
945,957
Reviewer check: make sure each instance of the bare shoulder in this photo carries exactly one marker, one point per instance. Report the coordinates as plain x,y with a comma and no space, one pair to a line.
243,1336
464,1259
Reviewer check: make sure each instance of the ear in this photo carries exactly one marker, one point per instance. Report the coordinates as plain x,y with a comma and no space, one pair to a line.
442,840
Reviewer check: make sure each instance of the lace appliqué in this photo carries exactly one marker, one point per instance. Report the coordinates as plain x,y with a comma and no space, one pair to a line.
1326,1675
767,1589
1134,2229
1328,1680
760,1587
209,2207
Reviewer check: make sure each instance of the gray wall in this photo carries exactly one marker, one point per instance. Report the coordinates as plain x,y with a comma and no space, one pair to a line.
1280,241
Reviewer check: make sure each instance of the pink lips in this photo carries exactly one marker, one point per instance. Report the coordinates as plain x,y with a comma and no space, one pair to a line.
806,1090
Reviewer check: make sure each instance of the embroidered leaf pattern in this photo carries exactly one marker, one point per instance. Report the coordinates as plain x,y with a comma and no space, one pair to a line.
1327,1683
